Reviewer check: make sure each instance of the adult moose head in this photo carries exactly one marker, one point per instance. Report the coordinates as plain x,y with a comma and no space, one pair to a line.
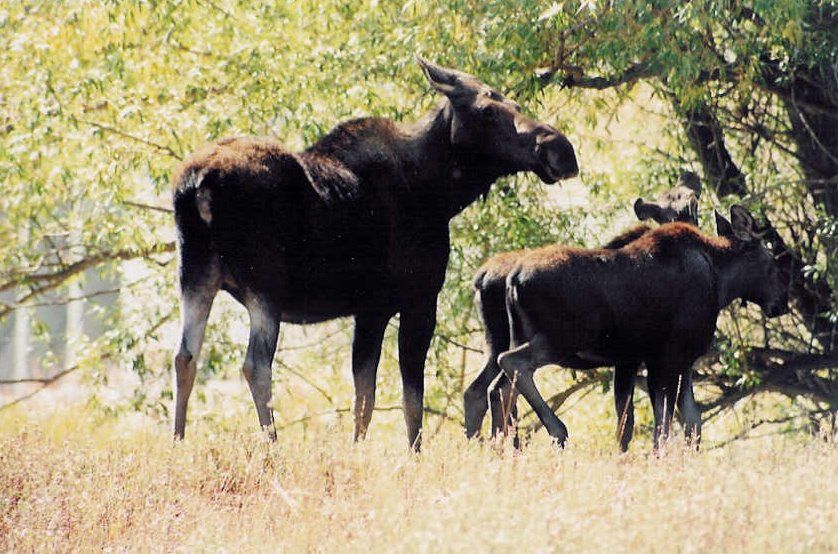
355,225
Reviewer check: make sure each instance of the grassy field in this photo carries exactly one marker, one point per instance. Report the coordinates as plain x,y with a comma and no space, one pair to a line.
76,481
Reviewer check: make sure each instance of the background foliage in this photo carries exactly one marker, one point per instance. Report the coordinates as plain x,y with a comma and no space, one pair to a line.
99,101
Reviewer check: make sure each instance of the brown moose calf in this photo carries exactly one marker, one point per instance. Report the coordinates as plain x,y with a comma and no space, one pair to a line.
680,203
653,301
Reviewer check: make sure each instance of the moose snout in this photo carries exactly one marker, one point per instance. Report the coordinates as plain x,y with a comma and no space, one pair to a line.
556,155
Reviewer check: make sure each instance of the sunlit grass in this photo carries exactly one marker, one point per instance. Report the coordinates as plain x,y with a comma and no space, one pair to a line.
76,481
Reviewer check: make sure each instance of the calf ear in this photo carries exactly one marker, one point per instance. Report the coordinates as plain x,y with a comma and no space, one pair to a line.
742,223
723,226
450,82
647,210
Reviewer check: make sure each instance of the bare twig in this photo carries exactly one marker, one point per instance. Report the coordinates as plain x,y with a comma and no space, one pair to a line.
459,344
162,147
290,369
147,206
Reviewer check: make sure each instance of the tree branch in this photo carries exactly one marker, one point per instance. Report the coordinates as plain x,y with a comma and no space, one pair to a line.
44,282
574,76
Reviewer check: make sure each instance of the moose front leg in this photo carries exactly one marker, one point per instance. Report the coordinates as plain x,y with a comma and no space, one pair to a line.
366,352
476,397
416,328
624,376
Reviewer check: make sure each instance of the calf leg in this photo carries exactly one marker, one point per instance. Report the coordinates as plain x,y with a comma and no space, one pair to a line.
519,365
624,375
503,400
366,353
261,347
689,410
416,329
663,390
476,396
196,303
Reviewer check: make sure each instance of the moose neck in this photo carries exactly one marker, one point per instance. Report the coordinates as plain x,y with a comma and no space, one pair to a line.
418,157
731,283
458,175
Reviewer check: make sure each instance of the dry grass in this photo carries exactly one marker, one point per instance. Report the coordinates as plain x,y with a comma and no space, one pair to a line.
75,482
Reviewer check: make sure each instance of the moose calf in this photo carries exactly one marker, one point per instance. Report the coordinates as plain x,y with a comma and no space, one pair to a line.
680,203
653,301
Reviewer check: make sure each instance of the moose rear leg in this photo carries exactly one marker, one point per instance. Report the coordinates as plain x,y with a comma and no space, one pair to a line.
261,347
519,365
196,302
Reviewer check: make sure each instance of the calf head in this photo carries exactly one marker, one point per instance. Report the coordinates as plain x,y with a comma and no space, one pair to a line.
494,131
680,203
754,271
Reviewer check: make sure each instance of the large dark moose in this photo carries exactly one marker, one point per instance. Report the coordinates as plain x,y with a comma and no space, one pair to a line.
654,301
679,203
356,225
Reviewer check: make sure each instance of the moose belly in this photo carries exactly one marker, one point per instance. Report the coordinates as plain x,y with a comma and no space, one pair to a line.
616,346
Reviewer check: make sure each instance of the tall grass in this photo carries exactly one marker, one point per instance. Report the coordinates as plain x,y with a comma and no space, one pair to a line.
73,481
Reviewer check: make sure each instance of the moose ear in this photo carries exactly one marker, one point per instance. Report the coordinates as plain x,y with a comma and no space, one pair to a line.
742,223
723,226
691,181
693,210
450,82
647,210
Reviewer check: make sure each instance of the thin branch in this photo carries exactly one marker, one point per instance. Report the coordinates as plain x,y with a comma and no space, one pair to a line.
65,301
306,380
147,206
459,344
746,431
162,147
44,380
